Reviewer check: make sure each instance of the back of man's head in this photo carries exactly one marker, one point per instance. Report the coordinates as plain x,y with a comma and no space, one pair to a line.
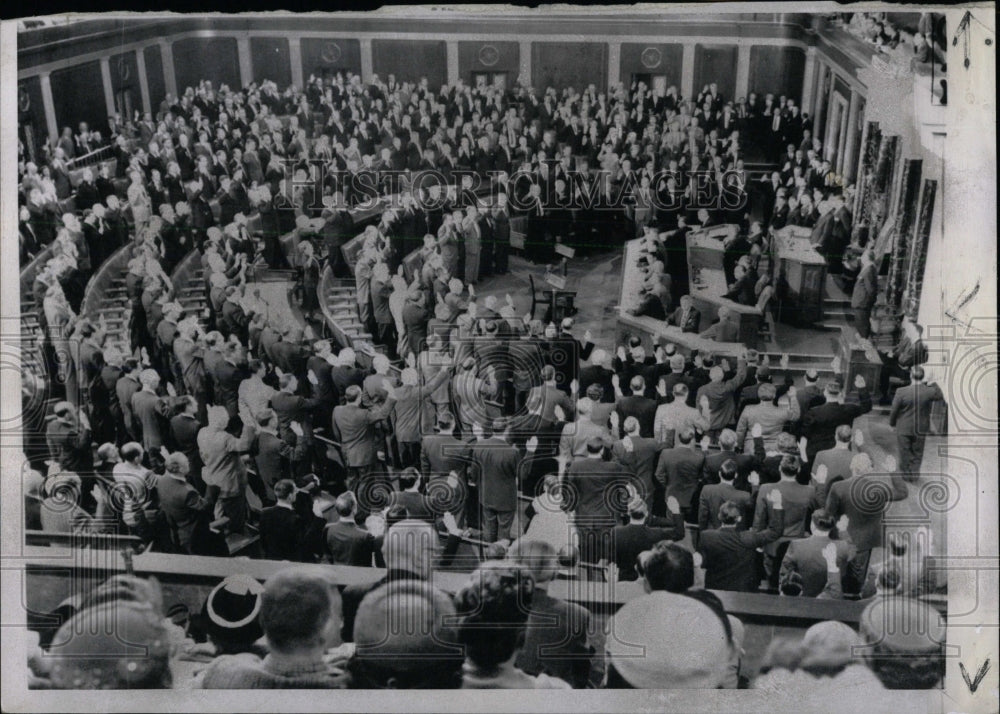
727,440
680,392
284,488
346,504
685,435
766,392
409,545
728,470
669,567
538,557
637,385
844,433
300,612
730,513
822,520
405,638
789,466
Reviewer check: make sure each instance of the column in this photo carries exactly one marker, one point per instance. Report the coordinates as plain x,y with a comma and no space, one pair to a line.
808,82
851,155
820,104
742,70
451,48
367,64
109,89
615,64
49,106
246,60
524,62
140,62
687,72
295,58
167,58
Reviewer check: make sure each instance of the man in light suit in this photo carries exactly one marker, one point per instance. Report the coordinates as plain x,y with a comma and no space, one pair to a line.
805,559
910,415
354,426
865,294
576,434
686,317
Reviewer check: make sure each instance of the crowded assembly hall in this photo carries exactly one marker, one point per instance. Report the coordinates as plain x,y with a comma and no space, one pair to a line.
558,347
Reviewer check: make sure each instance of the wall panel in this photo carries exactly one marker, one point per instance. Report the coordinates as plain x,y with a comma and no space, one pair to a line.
78,95
652,59
409,60
569,64
31,113
777,71
269,56
715,63
322,54
212,58
489,57
154,76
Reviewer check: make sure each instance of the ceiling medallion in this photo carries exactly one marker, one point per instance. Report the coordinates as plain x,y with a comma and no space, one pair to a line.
651,58
489,55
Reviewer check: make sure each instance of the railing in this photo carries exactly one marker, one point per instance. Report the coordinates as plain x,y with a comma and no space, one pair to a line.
94,157
101,281
32,269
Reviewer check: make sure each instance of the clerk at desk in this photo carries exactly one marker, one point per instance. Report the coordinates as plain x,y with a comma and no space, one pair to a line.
742,290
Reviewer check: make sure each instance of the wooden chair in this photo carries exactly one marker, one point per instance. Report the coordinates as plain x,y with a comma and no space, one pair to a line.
558,303
764,303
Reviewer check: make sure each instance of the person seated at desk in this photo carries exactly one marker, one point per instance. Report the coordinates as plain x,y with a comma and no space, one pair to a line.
742,290
725,329
654,300
734,249
687,316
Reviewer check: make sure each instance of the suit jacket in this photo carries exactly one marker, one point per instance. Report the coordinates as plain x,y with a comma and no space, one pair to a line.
863,502
495,465
291,407
805,557
354,428
151,413
911,408
279,528
691,324
591,480
551,396
634,538
576,434
728,555
641,408
819,424
640,462
808,397
865,288
555,641
182,507
679,470
797,501
348,544
745,463
711,499
443,453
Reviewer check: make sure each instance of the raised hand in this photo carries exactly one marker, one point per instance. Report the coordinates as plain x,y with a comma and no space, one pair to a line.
531,444
756,431
673,505
889,465
620,353
278,371
296,428
472,290
164,452
859,438
859,382
821,474
754,479
477,430
725,365
559,413
509,299
830,555
843,523
616,381
628,445
171,390
448,519
784,361
574,387
699,361
313,379
775,498
835,364
661,388
587,337
705,442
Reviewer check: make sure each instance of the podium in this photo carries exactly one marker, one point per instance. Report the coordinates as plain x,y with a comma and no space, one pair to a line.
706,267
801,276
858,356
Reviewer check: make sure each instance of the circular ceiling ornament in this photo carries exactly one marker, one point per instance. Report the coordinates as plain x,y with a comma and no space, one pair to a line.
651,58
331,52
489,55
23,99
124,70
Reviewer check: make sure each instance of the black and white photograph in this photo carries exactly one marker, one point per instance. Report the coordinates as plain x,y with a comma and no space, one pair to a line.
642,354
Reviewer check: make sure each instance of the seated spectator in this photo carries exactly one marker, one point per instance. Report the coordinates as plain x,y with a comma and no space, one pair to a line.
667,566
346,542
493,607
300,616
905,639
279,524
644,653
638,536
405,638
555,642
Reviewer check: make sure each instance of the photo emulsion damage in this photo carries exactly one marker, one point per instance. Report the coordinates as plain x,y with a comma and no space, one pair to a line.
607,350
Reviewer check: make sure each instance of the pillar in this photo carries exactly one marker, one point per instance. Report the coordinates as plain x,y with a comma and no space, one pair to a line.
524,63
820,103
742,70
851,155
367,64
140,63
167,58
49,106
109,89
809,82
451,48
246,60
687,71
615,64
295,58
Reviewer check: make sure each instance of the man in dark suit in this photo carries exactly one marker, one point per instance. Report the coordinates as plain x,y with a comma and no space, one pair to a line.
636,537
910,415
346,542
863,498
745,463
729,555
679,470
555,639
686,317
638,406
639,455
804,560
594,483
865,294
354,427
494,468
184,429
279,524
715,494
820,423
810,395
552,396
443,452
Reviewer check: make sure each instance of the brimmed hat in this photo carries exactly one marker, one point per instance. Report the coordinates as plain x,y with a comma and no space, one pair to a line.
231,610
